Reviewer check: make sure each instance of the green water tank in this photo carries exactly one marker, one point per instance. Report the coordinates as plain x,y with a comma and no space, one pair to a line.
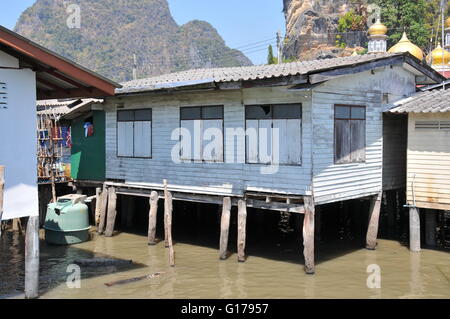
67,221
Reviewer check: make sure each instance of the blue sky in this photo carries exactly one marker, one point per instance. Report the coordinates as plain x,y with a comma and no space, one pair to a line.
249,25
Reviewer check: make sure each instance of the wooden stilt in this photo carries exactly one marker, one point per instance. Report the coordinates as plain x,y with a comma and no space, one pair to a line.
152,218
308,235
32,258
168,208
414,229
242,225
166,230
98,192
17,225
2,188
225,227
103,208
112,212
430,228
372,231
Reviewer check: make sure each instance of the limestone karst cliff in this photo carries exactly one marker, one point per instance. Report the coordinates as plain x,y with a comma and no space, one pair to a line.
311,27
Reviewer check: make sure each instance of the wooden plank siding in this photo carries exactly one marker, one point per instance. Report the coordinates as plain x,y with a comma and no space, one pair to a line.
317,174
334,182
210,178
428,163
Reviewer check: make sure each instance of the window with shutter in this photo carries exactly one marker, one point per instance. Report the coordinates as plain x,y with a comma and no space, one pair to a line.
349,134
203,122
274,134
134,133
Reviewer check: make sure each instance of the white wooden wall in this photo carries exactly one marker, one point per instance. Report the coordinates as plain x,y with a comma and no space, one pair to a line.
209,178
330,183
18,139
334,182
429,163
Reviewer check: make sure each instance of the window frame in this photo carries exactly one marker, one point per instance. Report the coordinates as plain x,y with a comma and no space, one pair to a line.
335,118
272,118
134,121
203,161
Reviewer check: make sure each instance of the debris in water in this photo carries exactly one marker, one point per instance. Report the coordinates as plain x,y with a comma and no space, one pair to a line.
101,262
128,281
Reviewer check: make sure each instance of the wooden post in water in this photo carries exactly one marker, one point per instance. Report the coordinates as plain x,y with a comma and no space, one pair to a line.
414,229
430,228
372,230
225,227
112,211
98,192
242,228
168,208
308,235
166,231
103,208
32,258
152,218
2,188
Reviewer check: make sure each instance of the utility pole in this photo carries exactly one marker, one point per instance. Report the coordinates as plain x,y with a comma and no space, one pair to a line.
134,67
279,47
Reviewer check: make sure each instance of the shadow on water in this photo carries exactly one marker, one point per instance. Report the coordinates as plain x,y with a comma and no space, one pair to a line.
54,262
267,236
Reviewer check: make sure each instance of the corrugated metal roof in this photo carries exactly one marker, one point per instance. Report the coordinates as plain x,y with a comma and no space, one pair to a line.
247,73
436,101
61,107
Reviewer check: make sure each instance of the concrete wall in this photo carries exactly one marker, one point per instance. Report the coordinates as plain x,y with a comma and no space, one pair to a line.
18,139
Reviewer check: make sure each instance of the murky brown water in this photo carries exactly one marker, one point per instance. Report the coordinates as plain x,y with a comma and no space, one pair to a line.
271,271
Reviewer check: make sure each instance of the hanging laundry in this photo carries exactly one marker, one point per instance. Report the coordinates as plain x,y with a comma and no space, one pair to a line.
88,129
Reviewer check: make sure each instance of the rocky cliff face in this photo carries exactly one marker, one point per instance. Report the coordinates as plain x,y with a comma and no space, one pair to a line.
311,27
112,31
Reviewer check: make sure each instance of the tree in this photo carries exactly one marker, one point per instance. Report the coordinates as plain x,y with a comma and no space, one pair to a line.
271,59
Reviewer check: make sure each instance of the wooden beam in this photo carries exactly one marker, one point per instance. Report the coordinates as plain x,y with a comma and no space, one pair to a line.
98,192
112,211
103,208
152,218
32,258
2,189
308,235
225,227
64,78
242,229
48,84
44,56
414,229
276,206
69,93
168,208
374,220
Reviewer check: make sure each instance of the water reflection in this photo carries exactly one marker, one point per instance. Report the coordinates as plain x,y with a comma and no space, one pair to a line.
271,271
